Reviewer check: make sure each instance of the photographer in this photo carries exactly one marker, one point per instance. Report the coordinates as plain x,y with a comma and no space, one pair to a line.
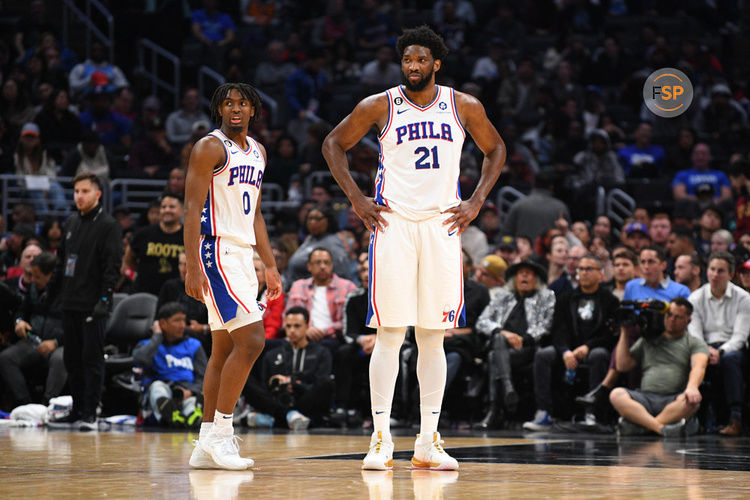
673,365
174,366
296,377
722,319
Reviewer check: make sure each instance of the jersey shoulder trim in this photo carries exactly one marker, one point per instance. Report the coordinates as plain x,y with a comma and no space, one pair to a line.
455,112
390,115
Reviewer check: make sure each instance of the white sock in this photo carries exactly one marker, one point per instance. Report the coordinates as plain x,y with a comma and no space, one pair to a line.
205,429
383,373
223,423
431,373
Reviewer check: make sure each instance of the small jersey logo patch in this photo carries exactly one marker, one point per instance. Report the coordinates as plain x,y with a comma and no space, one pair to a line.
227,143
442,106
398,101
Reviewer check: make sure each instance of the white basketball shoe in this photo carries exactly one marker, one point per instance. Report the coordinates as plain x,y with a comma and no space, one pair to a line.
429,454
380,456
223,450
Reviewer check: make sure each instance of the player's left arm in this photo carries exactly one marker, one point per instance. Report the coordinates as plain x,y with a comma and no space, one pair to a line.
475,121
263,247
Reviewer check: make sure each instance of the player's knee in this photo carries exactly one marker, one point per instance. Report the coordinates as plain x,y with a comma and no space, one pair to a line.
429,339
390,338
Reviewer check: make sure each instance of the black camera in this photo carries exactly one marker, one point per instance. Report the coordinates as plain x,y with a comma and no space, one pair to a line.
647,315
281,393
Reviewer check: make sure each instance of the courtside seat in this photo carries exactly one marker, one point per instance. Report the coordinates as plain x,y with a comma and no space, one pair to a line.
130,322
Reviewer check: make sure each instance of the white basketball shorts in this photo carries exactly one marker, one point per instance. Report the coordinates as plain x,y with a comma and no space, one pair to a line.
416,274
232,284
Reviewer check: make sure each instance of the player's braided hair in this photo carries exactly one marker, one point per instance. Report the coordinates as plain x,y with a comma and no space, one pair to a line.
247,91
424,37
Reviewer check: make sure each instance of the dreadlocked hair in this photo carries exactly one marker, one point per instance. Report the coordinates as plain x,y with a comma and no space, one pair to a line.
247,91
424,37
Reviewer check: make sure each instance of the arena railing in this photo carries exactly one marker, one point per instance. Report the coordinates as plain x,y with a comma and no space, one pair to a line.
69,7
151,70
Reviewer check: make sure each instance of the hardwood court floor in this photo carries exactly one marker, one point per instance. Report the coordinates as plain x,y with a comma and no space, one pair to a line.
37,463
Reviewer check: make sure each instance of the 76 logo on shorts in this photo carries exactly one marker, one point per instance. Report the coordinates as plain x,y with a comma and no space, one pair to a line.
449,316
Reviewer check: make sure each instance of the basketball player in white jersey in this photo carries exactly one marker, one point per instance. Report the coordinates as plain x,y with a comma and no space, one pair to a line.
223,224
418,217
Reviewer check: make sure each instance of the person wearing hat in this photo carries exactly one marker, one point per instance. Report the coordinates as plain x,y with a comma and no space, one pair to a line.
507,248
491,272
686,181
151,157
637,236
517,318
744,273
31,159
180,122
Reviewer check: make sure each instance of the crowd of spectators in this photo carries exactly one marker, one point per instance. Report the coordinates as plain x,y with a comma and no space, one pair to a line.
561,81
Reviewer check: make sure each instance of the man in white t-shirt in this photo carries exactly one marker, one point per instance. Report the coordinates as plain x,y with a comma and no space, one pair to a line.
323,295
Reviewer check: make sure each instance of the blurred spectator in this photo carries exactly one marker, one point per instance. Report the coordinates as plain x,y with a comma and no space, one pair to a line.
14,243
531,216
679,155
304,88
381,73
200,130
19,277
517,320
581,231
680,243
373,27
489,70
637,236
323,295
503,24
39,171
81,75
625,266
744,272
687,181
642,159
52,234
722,118
346,69
569,279
507,248
272,73
334,26
283,163
321,227
122,103
659,228
710,221
739,177
261,13
654,283
687,271
557,258
611,64
15,106
180,122
88,155
597,166
58,125
722,241
150,110
113,130
272,311
153,156
39,328
155,250
214,30
603,229
721,316
517,95
491,272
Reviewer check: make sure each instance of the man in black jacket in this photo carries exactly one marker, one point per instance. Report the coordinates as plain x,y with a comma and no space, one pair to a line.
39,329
88,268
295,378
581,334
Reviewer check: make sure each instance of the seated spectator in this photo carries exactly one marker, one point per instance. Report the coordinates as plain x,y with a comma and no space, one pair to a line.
517,319
658,230
39,328
581,231
744,271
603,229
642,159
597,165
272,73
518,93
581,336
271,310
721,317
15,107
174,366
710,221
569,279
112,129
722,241
687,271
196,314
382,72
721,117
304,90
13,244
154,251
33,161
19,277
88,155
321,227
491,272
739,177
672,367
58,125
373,26
625,268
637,236
557,258
296,380
153,156
81,75
323,295
214,30
686,182
176,182
180,122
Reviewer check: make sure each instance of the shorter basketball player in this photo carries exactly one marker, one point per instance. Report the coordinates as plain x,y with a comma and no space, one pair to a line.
223,224
418,216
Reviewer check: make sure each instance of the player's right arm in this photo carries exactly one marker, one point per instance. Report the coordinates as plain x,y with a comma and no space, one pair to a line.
207,154
371,111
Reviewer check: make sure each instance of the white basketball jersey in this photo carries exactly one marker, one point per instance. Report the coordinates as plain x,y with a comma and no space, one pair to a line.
420,154
233,193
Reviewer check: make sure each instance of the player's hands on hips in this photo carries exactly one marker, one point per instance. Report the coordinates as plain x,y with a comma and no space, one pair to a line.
463,214
369,211
195,284
273,283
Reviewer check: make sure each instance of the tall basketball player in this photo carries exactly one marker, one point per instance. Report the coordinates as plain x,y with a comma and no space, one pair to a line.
223,224
418,217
